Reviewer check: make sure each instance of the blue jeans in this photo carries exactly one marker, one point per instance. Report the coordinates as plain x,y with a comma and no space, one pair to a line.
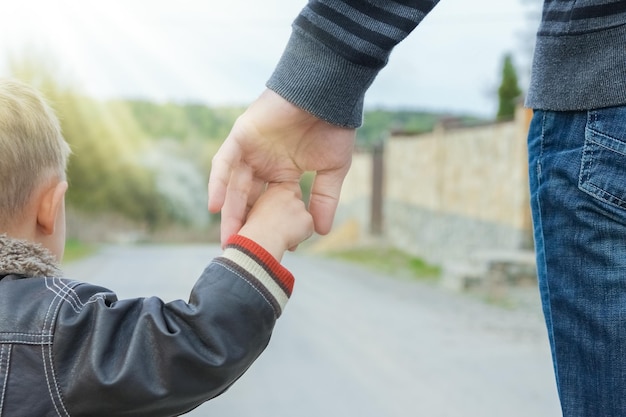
578,197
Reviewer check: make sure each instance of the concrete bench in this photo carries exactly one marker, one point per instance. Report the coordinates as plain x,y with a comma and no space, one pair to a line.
492,271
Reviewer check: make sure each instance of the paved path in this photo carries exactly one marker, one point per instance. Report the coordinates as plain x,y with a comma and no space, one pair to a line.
353,343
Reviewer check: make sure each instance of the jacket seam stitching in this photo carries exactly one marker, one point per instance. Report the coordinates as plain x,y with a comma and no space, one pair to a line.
4,363
67,293
48,361
250,284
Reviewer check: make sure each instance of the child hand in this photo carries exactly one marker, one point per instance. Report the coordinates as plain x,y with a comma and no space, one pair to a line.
279,220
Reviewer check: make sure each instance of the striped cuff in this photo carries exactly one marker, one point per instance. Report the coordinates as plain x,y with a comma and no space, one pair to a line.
315,79
264,272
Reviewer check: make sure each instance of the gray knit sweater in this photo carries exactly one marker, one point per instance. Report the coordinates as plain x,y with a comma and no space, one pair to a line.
337,48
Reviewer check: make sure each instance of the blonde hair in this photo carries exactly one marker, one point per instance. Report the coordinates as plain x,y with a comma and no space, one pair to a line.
32,147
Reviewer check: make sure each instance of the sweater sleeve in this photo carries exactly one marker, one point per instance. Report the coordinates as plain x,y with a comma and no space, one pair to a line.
336,50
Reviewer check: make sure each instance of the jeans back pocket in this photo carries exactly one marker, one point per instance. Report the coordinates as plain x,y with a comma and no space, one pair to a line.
603,165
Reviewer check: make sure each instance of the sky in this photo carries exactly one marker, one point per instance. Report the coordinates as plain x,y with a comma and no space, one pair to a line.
222,52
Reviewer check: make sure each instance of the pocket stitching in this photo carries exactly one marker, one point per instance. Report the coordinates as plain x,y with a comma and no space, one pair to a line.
585,183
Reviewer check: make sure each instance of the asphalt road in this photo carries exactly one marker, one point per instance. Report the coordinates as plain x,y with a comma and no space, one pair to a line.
354,343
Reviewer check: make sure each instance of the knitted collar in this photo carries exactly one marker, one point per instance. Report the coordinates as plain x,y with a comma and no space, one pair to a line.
27,259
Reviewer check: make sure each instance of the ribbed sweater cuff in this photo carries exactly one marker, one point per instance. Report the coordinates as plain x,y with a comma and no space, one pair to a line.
316,79
270,278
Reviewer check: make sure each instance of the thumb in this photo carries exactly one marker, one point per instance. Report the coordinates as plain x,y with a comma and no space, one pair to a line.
325,198
222,165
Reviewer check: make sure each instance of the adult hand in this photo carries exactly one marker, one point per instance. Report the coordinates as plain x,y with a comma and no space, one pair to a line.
274,141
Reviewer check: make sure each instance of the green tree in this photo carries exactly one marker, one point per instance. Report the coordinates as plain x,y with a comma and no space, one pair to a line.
509,91
105,170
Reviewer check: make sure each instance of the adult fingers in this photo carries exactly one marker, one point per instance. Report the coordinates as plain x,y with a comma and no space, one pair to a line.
226,160
325,198
235,207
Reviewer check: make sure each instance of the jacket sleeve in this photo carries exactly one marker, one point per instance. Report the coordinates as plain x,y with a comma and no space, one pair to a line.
335,51
143,357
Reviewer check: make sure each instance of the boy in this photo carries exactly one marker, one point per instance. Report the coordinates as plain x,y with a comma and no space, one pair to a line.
72,349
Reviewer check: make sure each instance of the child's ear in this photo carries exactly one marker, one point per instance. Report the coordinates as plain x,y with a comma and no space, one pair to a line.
51,202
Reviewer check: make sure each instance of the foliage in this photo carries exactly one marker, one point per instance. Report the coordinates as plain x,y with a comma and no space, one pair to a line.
104,172
378,123
306,184
76,249
183,121
150,161
211,125
509,90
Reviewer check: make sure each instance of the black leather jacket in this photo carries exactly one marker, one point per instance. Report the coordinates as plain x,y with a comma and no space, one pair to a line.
72,349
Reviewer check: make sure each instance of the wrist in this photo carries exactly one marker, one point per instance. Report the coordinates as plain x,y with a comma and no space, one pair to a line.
271,279
270,241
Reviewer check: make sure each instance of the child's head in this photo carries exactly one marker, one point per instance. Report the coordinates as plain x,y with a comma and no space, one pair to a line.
33,159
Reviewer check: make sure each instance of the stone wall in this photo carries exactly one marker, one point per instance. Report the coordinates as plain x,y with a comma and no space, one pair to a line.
449,193
356,194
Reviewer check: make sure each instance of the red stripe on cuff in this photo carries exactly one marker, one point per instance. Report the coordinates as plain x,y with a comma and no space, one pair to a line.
279,272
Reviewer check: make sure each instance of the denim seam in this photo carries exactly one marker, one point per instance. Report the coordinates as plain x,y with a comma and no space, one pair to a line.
548,308
604,196
584,177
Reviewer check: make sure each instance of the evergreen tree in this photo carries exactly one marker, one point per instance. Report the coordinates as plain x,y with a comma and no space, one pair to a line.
509,91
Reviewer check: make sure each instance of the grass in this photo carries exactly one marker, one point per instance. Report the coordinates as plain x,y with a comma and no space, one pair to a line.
391,261
75,250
